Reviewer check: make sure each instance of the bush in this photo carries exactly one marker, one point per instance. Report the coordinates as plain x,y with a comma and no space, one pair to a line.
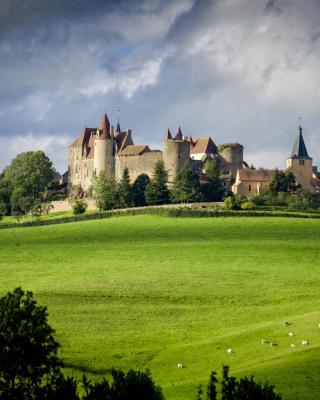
248,205
79,207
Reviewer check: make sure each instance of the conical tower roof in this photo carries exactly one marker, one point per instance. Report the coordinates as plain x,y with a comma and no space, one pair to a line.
299,148
118,129
179,135
104,126
167,134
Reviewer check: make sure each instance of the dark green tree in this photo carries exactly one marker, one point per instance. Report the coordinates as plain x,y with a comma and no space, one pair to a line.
124,190
125,386
100,189
21,202
213,189
157,191
138,190
186,186
30,172
211,389
28,350
282,182
242,389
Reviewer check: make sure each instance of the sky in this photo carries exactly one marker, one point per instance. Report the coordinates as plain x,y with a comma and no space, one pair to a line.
236,70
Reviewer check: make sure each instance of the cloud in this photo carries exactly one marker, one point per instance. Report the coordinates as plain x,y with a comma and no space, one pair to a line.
236,70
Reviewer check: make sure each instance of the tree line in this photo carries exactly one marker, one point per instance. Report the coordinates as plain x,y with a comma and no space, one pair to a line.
186,187
30,368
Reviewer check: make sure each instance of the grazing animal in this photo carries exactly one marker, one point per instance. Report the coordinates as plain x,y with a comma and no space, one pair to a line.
319,325
229,351
179,365
285,323
292,346
263,341
272,344
304,343
291,334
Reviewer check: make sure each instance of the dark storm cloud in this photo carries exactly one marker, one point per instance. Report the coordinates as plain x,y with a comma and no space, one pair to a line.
237,70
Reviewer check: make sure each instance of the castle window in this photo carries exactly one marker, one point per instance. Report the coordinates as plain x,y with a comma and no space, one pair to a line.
249,188
301,162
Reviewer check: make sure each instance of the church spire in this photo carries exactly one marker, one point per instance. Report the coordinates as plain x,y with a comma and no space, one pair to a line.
118,129
299,148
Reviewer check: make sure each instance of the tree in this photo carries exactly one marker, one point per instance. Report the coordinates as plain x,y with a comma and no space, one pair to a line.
138,190
186,186
21,202
282,182
212,190
125,386
124,190
99,189
157,191
242,389
31,172
211,389
79,207
28,350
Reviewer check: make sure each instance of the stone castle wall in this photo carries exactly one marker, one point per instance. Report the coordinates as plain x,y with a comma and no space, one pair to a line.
137,164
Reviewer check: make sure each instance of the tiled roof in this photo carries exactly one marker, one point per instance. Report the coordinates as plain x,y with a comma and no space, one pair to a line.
104,126
134,150
204,145
261,175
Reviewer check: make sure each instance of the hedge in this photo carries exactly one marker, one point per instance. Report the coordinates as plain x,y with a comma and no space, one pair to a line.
168,212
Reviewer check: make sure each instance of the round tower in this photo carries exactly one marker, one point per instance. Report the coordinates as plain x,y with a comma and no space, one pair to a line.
231,158
103,149
176,153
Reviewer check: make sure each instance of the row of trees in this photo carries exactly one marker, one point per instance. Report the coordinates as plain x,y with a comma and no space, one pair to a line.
30,368
186,188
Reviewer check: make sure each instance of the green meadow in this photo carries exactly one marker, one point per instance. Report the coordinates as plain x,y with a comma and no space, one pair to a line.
151,292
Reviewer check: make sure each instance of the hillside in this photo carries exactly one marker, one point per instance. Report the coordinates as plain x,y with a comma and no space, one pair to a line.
150,292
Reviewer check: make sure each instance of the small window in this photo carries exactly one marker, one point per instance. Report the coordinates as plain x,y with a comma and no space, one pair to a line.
301,162
249,188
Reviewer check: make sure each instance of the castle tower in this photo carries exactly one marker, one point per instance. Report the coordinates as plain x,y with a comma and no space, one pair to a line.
300,163
176,153
230,159
103,149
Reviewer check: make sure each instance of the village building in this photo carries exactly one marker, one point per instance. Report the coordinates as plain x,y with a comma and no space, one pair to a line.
251,181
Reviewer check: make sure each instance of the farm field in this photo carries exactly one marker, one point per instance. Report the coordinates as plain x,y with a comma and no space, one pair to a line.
150,292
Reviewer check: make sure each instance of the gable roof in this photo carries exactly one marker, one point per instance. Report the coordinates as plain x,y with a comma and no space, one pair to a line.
204,145
134,150
261,175
299,148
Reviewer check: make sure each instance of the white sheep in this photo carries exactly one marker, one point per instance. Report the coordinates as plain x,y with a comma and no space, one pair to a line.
179,365
264,341
291,334
272,344
293,346
285,323
304,343
229,351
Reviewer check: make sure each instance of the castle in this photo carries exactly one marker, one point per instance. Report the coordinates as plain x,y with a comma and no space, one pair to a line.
108,148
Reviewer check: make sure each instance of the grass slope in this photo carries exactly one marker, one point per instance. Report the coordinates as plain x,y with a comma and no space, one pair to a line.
149,292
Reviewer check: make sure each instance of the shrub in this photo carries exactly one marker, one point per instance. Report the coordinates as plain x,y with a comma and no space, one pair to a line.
79,207
248,205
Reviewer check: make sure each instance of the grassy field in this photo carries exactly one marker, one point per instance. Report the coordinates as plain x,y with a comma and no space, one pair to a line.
150,292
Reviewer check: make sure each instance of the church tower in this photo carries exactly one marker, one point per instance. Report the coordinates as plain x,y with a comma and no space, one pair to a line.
300,163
